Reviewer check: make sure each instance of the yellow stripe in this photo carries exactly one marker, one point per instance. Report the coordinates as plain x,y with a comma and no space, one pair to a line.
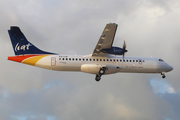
33,60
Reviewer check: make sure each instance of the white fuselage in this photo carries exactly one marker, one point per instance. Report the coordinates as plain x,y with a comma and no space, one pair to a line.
91,64
102,61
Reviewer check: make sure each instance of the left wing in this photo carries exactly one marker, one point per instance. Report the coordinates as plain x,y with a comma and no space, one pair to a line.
106,39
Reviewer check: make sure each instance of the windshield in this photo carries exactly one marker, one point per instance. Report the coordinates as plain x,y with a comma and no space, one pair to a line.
160,60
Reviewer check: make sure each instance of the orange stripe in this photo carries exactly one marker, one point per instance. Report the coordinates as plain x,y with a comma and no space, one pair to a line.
33,60
20,58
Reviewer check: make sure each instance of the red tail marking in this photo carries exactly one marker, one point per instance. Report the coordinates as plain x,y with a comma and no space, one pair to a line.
20,58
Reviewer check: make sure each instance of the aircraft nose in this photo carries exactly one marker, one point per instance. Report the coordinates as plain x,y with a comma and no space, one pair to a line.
170,68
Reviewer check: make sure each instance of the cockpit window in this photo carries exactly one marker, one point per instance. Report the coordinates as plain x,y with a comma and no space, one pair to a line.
160,60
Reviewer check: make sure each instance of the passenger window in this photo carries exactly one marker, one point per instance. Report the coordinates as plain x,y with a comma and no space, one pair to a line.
133,60
86,59
93,59
107,59
76,59
120,60
110,59
136,60
59,58
66,58
72,58
79,59
100,59
69,58
117,60
114,60
83,59
123,60
103,59
126,60
89,59
97,59
143,60
129,60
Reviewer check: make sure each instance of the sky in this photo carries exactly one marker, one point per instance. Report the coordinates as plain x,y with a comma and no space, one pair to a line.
151,29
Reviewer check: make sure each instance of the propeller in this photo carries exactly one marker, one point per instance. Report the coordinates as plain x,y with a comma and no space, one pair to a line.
124,49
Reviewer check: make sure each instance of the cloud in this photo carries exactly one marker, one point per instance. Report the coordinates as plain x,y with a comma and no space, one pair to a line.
173,100
161,87
151,28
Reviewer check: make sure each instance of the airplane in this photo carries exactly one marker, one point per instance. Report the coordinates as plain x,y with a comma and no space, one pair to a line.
105,59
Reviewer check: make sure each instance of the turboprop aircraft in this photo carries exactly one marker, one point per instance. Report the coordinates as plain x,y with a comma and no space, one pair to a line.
105,59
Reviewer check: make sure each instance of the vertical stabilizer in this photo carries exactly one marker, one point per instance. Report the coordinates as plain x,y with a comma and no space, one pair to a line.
21,45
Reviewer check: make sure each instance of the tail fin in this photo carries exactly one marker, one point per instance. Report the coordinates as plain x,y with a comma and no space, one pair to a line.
21,45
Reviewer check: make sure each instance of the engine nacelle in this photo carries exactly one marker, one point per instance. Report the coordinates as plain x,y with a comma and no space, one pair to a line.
113,50
91,68
94,68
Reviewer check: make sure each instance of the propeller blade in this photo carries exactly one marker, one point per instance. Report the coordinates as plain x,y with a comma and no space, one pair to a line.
124,49
124,45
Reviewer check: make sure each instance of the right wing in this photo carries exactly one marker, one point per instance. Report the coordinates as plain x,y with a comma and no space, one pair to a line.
106,39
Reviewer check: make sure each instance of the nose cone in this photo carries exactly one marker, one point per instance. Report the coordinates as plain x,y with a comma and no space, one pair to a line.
169,68
164,67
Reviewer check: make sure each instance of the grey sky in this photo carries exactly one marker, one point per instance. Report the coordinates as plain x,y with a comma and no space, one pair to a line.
150,27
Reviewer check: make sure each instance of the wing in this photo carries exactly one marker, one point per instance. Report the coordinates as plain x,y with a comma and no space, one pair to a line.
106,39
